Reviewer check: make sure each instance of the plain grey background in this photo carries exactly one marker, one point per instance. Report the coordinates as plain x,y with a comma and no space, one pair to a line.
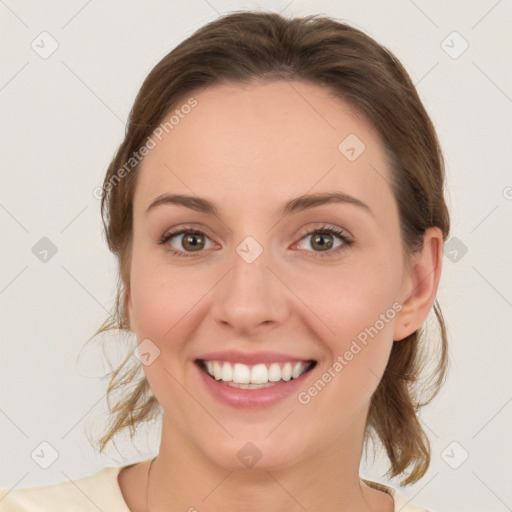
70,72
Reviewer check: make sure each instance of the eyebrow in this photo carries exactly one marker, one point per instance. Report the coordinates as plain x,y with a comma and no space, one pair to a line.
300,203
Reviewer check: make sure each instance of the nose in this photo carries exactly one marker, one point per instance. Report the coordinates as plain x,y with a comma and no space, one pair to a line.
251,297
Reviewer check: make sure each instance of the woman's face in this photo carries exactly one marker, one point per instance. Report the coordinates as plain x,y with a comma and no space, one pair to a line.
259,285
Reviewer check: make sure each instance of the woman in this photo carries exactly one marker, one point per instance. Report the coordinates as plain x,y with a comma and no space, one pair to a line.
277,211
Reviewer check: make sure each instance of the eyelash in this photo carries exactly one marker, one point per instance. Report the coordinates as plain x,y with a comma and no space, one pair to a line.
347,242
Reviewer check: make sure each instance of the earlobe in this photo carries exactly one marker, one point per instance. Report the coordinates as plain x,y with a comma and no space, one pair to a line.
420,285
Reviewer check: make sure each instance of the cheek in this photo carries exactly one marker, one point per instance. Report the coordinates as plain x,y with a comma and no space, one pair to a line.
165,305
162,297
361,318
357,306
351,298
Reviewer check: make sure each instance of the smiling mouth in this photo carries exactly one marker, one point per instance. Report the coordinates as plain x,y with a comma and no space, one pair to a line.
257,376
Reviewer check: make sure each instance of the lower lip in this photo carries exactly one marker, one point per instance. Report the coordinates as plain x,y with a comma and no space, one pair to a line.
262,397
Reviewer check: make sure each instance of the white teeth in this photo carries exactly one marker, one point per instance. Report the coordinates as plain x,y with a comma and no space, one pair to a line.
227,372
241,373
253,377
259,374
286,372
274,372
249,386
217,370
297,370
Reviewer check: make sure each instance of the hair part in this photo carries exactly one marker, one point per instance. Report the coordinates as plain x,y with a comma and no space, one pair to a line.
243,47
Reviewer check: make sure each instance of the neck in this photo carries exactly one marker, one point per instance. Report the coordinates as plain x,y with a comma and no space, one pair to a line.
182,478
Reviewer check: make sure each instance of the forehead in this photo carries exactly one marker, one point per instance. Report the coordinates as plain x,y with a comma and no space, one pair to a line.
250,144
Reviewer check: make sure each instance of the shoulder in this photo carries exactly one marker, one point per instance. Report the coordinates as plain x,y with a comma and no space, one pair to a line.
87,494
402,502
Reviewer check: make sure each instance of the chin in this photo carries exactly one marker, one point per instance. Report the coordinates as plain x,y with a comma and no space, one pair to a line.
253,453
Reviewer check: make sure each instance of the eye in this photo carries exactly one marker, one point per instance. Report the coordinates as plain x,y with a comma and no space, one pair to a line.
322,238
194,241
191,240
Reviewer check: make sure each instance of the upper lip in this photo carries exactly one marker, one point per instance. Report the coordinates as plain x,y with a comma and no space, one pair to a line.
253,358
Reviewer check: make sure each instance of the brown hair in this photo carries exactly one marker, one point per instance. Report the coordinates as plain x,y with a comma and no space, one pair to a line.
245,46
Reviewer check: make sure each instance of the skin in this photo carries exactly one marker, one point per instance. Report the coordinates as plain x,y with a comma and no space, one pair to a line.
249,149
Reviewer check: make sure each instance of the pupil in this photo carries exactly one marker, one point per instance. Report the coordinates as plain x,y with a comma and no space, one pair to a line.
323,245
192,240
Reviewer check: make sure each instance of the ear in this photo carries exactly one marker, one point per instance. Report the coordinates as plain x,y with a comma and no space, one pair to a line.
420,284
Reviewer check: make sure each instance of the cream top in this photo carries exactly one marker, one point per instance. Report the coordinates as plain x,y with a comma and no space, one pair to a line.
101,491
